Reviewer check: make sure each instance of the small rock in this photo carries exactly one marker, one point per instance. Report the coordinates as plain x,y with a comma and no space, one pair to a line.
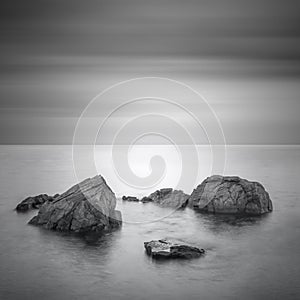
168,197
130,198
34,202
168,249
146,200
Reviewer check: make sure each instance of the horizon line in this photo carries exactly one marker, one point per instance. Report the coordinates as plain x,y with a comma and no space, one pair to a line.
225,145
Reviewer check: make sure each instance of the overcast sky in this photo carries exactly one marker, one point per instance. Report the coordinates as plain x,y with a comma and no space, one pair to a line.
243,56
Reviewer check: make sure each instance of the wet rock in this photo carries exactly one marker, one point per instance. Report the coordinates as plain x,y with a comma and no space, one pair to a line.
230,195
86,207
34,202
168,198
165,249
146,200
130,198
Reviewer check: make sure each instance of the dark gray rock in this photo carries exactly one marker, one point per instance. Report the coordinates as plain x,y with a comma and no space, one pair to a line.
34,202
165,249
130,198
168,198
86,207
230,195
146,200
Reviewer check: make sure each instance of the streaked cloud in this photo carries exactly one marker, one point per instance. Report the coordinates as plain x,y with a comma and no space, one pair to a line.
242,55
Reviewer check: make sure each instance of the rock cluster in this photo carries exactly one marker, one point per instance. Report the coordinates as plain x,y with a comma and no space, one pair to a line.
86,207
168,249
90,207
166,197
231,195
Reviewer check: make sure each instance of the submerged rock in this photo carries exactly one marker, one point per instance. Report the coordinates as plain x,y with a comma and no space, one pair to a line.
86,207
168,198
130,198
34,202
168,249
232,195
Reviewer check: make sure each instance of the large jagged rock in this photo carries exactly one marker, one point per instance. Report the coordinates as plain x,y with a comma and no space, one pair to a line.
86,207
168,249
34,202
168,198
231,195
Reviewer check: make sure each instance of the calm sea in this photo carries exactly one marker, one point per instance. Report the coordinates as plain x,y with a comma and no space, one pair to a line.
247,258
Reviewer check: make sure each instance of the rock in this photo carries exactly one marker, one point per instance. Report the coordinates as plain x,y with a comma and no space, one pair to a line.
168,198
34,202
146,200
86,207
231,195
161,194
115,219
130,198
168,249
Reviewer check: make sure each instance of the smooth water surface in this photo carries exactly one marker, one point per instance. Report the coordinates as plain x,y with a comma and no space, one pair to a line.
247,258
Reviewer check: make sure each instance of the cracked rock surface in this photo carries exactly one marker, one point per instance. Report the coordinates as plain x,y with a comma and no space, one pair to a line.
230,194
86,207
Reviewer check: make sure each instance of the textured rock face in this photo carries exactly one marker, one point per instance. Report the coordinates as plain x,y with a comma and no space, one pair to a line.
34,202
168,198
168,249
230,194
86,207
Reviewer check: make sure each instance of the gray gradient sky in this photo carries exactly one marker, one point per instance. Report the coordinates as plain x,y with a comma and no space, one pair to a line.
243,56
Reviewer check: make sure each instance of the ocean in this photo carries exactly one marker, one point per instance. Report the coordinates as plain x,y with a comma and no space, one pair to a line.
246,257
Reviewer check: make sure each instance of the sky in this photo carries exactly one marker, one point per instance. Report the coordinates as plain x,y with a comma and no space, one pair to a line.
242,56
